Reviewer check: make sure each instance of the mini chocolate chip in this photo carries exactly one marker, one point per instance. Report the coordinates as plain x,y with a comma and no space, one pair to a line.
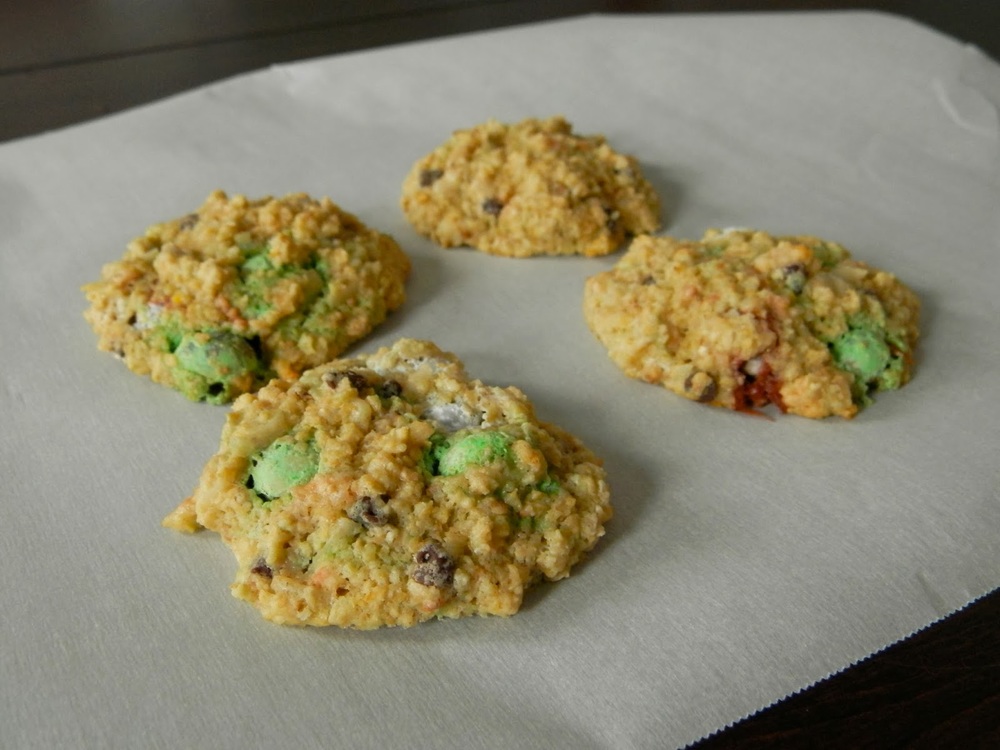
708,388
390,388
261,568
429,176
249,484
370,511
648,280
492,206
257,346
356,379
612,221
433,567
188,221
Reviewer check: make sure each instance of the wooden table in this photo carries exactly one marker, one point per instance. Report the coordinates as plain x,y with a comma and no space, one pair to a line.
62,62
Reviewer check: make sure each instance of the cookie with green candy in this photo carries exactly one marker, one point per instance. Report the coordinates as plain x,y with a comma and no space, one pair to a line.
391,489
742,319
216,303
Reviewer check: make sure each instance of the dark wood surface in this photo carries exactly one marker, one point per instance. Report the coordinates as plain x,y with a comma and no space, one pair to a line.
65,61
938,689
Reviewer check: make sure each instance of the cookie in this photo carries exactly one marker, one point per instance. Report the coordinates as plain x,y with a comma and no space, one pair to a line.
392,489
534,188
217,303
742,319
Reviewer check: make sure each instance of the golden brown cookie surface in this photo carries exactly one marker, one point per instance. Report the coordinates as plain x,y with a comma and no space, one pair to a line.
532,188
391,489
742,319
216,303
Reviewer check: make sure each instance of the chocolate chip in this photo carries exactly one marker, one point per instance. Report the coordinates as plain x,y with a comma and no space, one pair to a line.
433,567
702,389
390,388
257,346
492,206
188,221
429,176
356,379
261,568
370,511
249,484
613,217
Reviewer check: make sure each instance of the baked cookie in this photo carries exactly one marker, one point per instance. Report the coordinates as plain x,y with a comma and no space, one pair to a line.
534,188
216,303
391,489
742,319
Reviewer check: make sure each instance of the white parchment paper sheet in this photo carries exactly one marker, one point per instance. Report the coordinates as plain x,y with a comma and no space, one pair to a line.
748,558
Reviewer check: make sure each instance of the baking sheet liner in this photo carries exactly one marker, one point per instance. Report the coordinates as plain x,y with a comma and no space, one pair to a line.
748,557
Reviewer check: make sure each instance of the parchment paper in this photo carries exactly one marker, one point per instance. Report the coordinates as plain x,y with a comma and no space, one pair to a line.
748,557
